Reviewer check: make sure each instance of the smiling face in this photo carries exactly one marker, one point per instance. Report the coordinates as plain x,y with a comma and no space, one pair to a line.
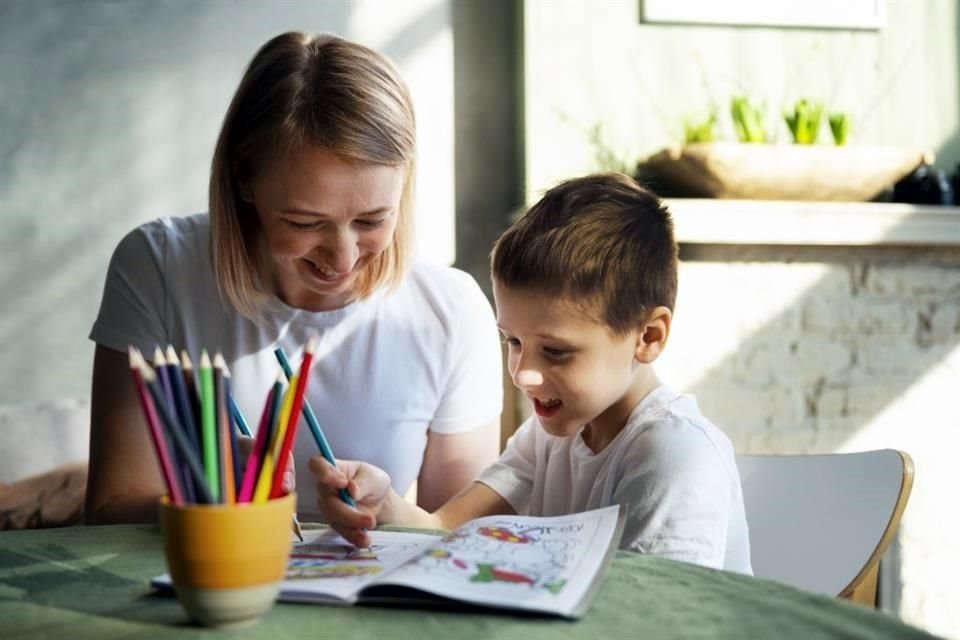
574,370
324,220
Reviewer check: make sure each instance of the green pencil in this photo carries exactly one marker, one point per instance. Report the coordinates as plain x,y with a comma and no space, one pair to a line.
208,409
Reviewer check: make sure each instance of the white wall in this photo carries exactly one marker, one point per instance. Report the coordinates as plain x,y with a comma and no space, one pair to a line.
109,112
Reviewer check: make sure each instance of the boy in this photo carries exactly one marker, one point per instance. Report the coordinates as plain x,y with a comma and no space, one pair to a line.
585,285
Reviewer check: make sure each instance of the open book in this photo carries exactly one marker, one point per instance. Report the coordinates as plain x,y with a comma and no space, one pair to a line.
540,565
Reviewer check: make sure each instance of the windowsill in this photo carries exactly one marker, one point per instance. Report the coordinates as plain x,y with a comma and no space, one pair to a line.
766,222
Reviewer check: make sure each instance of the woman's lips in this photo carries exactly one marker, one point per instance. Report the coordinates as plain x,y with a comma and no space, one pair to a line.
324,275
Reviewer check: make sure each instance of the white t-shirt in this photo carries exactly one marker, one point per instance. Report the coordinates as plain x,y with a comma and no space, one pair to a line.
674,469
424,356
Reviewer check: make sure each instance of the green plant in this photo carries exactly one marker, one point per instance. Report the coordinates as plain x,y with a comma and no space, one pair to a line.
747,120
702,131
840,126
804,121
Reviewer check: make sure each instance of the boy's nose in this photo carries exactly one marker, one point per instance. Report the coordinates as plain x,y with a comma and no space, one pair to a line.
524,378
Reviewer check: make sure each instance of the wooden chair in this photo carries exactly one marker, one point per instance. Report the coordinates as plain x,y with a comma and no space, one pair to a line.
822,522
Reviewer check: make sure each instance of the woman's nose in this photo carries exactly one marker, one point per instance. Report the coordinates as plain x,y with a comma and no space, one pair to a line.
342,252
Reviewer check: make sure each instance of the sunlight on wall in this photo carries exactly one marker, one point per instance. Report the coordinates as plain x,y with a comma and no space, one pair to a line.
423,46
729,320
924,421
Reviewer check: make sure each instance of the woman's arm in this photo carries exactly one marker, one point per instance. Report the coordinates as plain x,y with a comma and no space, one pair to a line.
124,481
452,461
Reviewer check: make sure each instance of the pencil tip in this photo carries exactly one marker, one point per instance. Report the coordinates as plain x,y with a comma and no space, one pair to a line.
311,345
204,359
185,360
158,359
218,361
172,355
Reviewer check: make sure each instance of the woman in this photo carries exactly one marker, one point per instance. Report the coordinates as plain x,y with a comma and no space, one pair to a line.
308,234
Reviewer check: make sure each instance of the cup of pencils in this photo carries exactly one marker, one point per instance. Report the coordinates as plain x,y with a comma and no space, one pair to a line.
226,562
226,521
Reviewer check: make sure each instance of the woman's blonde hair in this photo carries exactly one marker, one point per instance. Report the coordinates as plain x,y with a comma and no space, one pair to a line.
302,90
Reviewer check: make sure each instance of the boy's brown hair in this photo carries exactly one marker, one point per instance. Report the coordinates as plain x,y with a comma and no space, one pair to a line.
602,242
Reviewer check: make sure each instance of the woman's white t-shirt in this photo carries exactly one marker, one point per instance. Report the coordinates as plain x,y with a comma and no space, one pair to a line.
388,369
674,470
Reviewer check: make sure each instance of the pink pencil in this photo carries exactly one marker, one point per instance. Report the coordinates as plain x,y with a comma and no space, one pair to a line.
153,423
250,472
276,487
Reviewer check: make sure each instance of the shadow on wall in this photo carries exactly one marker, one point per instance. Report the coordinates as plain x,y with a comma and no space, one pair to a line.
110,115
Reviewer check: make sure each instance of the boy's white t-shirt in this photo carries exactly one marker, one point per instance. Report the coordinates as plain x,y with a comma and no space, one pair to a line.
674,469
425,356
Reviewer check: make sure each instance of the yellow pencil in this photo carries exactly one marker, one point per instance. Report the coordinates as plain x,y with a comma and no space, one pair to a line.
262,490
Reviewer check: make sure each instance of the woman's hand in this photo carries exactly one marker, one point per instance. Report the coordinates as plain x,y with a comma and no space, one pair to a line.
368,485
245,447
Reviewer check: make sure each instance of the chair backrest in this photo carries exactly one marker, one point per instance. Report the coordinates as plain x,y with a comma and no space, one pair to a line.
822,522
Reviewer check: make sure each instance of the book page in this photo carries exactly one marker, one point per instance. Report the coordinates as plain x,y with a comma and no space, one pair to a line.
518,562
325,567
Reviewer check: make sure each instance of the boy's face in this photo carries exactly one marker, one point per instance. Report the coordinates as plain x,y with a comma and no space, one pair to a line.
571,367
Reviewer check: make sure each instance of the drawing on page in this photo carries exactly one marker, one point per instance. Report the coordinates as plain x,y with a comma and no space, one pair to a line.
326,558
538,557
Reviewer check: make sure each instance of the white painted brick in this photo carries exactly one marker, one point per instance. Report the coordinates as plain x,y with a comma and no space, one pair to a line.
938,324
912,280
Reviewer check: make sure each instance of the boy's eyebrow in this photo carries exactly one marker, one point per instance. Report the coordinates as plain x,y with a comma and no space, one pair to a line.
545,336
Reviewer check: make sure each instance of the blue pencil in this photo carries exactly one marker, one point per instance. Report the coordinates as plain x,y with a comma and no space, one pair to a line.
238,418
321,441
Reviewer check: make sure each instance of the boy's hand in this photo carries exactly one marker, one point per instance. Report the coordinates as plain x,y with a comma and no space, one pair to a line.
368,485
245,447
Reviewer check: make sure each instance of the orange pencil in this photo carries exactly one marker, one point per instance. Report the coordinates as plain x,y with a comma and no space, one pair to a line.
290,432
228,475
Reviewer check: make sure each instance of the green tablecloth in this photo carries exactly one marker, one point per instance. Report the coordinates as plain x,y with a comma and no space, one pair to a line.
92,582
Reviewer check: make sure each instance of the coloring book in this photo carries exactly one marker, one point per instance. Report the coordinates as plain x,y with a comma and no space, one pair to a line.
545,565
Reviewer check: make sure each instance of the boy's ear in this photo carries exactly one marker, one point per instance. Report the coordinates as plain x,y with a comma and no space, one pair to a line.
652,335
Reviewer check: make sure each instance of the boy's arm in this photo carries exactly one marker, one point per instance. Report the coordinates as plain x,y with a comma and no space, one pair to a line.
474,501
378,503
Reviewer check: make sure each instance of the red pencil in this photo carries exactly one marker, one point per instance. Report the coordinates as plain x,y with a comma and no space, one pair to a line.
276,487
153,424
252,469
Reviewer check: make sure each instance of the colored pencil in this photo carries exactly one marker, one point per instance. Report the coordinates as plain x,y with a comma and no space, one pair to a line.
228,481
290,432
208,410
181,441
190,383
234,450
259,445
238,415
156,433
164,373
261,493
182,398
315,429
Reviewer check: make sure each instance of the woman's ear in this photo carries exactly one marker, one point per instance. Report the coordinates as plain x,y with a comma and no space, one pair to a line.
652,335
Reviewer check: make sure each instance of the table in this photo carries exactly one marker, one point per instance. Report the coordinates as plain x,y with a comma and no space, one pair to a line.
92,582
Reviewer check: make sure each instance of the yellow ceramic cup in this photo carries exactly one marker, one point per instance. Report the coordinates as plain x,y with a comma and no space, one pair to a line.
227,561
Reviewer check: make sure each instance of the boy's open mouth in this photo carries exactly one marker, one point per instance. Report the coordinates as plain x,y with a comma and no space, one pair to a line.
546,407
